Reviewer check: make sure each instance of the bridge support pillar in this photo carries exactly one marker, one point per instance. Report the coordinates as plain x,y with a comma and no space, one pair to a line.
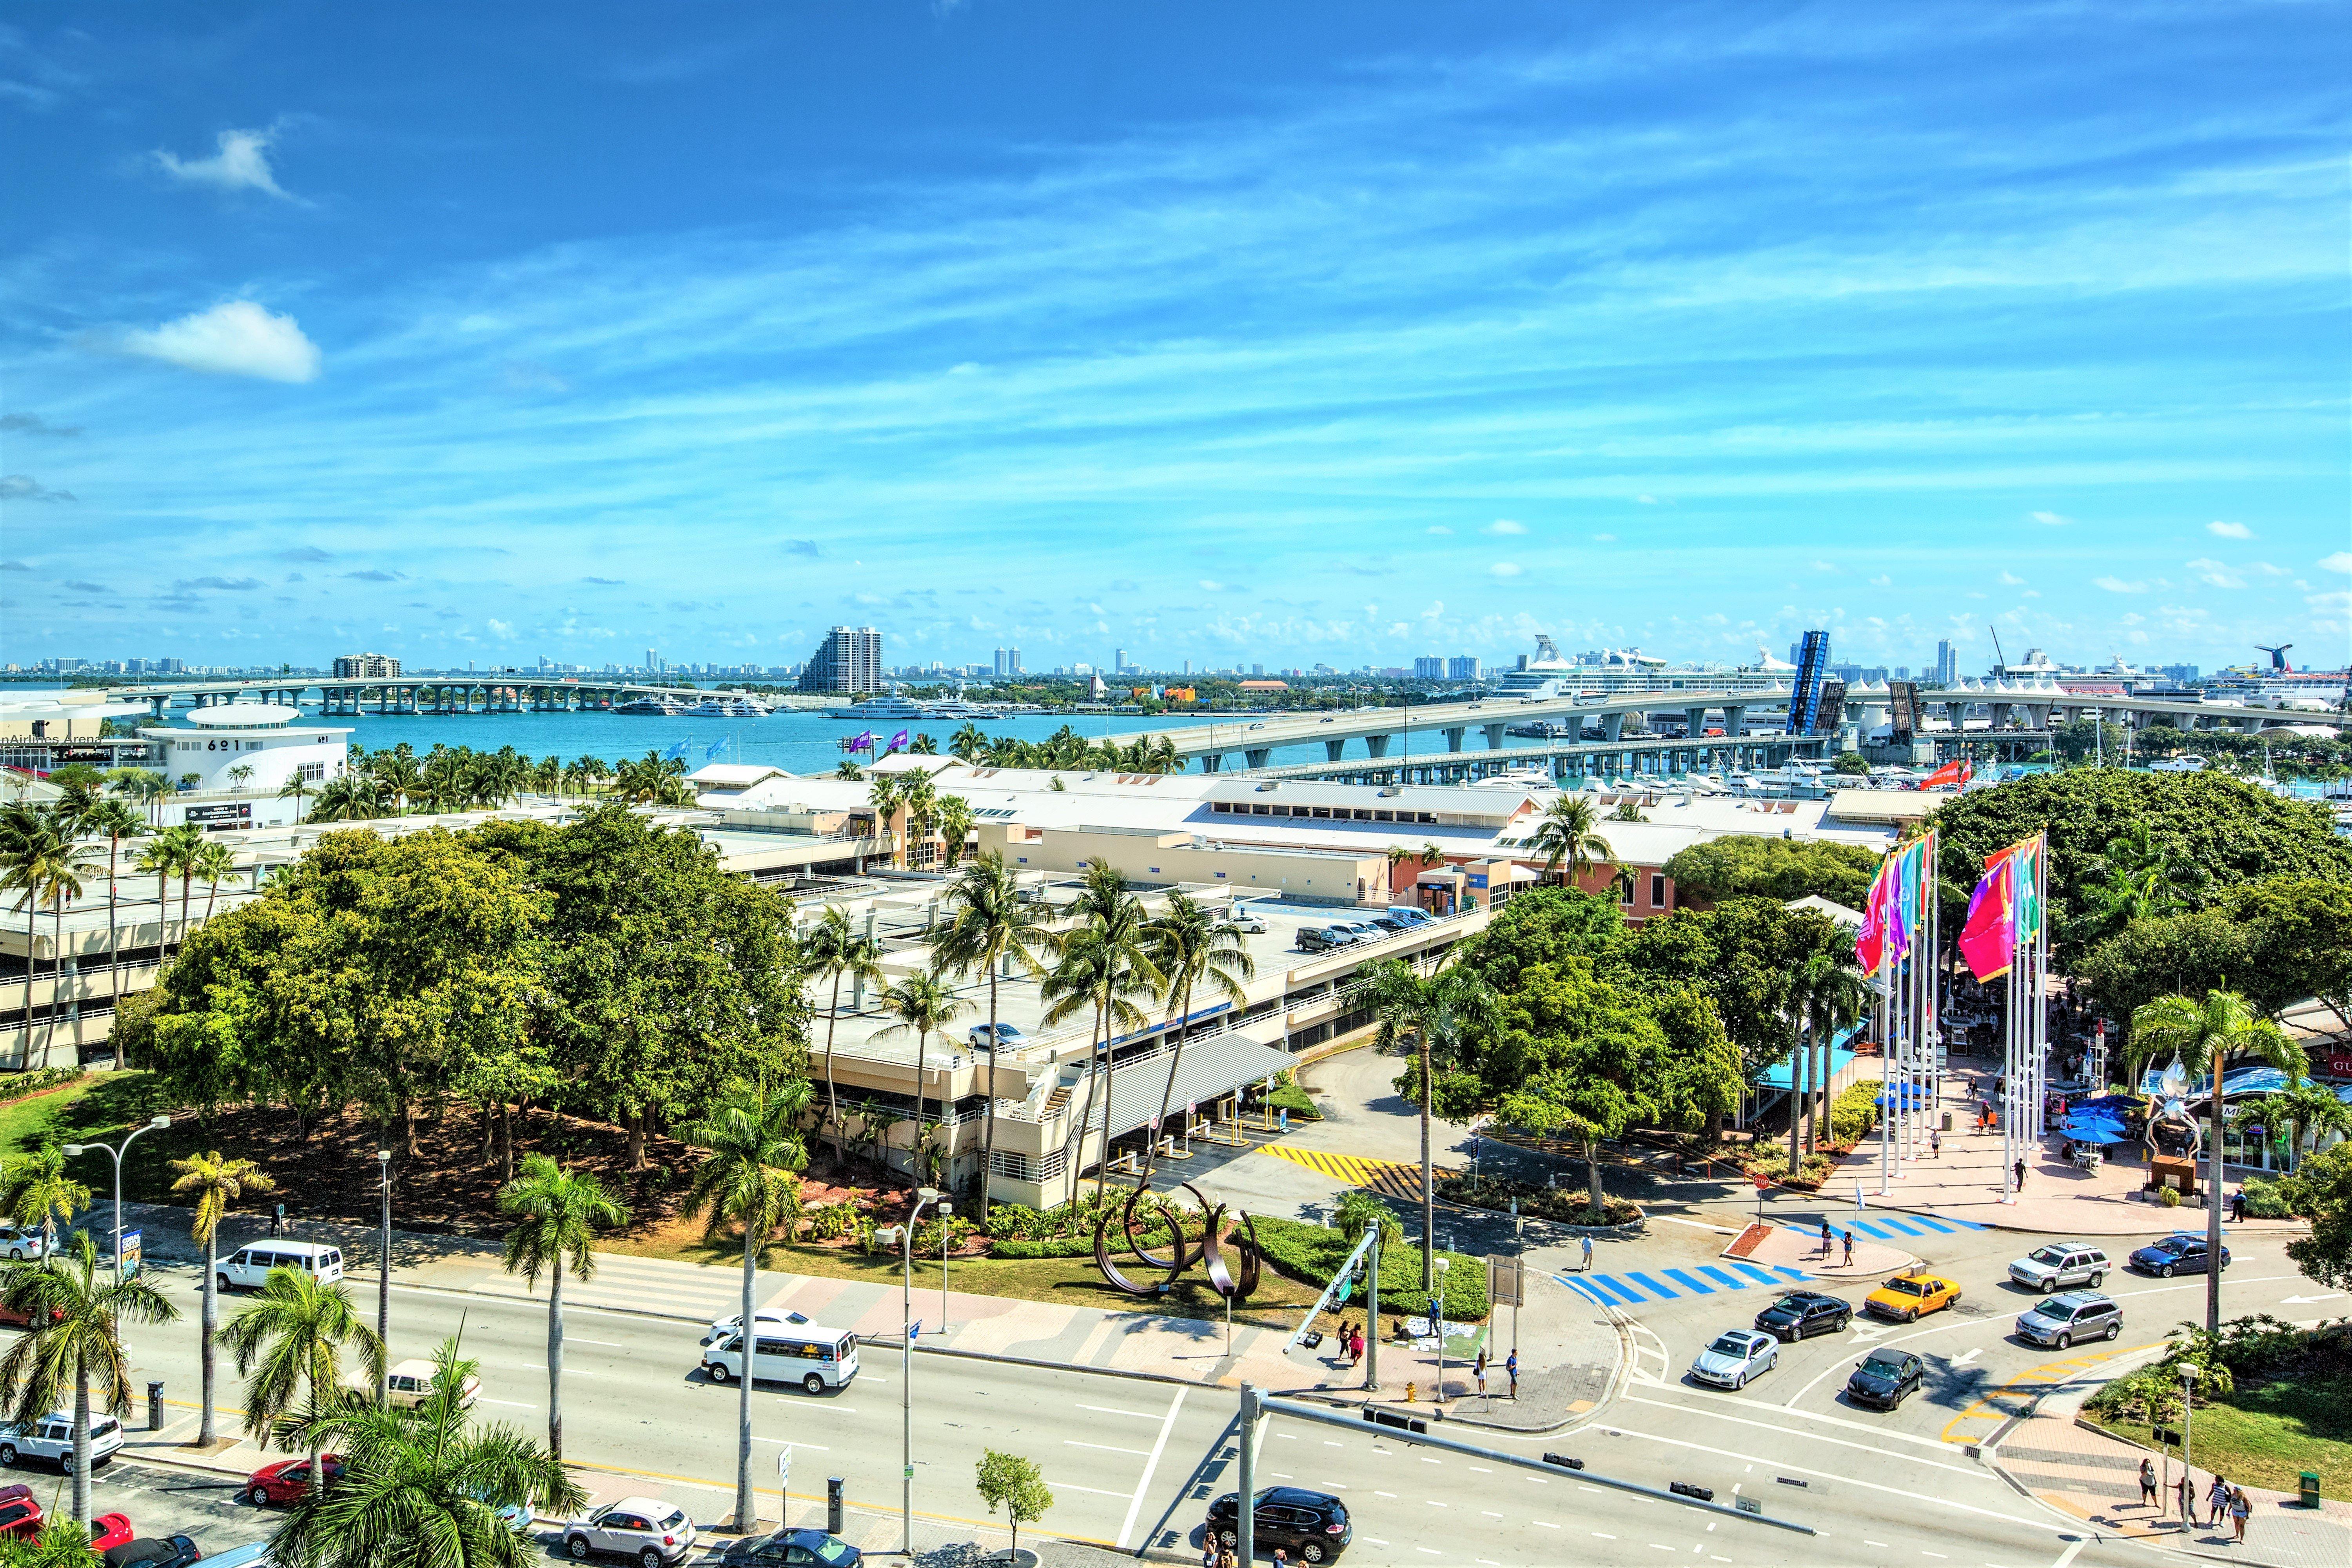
1612,727
1378,745
2037,715
1334,750
1694,722
1735,717
1256,755
1454,734
1211,762
1494,734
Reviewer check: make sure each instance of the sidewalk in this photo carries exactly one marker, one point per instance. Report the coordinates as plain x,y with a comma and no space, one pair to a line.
1966,1182
2089,1476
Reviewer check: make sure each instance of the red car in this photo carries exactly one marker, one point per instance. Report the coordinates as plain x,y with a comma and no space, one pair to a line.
111,1530
12,1318
286,1481
20,1520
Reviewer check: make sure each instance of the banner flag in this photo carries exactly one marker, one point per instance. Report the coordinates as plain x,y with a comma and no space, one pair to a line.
1950,773
675,752
1869,944
1989,940
713,749
897,740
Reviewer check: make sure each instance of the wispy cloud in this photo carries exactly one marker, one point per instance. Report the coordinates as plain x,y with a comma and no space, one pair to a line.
2216,574
34,424
1505,525
242,163
2049,518
2229,530
24,487
2118,585
238,338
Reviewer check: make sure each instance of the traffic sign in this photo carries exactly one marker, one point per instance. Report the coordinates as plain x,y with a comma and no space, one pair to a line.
784,1467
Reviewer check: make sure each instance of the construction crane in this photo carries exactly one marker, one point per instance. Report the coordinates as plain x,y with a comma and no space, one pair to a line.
2279,664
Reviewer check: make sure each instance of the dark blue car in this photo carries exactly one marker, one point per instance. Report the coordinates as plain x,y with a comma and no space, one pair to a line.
2180,1253
795,1549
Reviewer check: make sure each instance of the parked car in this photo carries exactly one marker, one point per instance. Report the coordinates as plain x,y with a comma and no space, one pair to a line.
1884,1378
653,1532
410,1385
795,1549
1735,1356
2180,1253
248,1268
1388,925
1007,1037
17,1318
1800,1314
20,1241
153,1552
51,1438
1363,931
109,1531
2061,1266
1312,1527
20,1512
288,1479
1314,939
1907,1298
252,1554
1247,921
2076,1315
1410,915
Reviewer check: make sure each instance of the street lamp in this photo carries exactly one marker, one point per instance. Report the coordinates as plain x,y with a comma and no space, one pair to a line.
118,1150
384,1280
903,1237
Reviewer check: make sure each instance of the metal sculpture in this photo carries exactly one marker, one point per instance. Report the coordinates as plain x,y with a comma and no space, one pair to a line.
1217,1232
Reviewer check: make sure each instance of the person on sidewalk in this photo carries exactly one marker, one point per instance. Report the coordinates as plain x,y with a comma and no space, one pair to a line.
2187,1487
1211,1554
2216,1502
276,1217
2020,1168
1511,1369
1849,1247
1587,1240
2238,1206
1825,1239
1480,1372
2241,1508
1935,1144
2148,1483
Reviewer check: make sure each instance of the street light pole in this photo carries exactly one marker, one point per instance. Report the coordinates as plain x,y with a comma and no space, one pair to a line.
383,1282
905,1241
153,1123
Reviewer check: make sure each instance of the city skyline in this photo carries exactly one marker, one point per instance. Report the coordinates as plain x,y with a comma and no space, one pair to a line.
1072,331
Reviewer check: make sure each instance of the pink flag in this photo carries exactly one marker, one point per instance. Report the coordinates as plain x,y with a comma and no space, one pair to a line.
1989,940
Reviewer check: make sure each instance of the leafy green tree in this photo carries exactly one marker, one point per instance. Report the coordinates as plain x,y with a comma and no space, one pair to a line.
290,1343
557,1213
1193,948
2321,1192
2213,1031
1735,955
422,1487
1851,764
747,1179
1741,865
1565,835
833,950
1578,1055
74,1343
1016,1486
990,928
218,1181
923,1006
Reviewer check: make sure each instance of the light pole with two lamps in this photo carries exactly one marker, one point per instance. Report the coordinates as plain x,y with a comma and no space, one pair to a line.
153,1124
384,1280
903,1237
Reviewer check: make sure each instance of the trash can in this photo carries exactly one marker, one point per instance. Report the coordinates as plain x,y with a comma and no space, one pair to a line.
2310,1488
1948,1121
155,1417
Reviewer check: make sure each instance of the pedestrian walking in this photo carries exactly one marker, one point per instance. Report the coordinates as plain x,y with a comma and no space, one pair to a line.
2216,1502
1825,1239
2020,1168
1588,1252
2187,1487
2148,1483
276,1217
1211,1554
1849,1247
2241,1508
1511,1368
1281,1558
1935,1143
2238,1206
1480,1372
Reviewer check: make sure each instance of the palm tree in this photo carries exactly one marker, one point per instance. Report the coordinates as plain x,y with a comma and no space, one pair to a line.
296,785
218,1182
833,950
114,818
75,1343
215,863
2223,1025
292,1341
954,818
1565,835
991,927
747,1179
41,858
2307,1109
968,742
174,855
924,746
350,797
921,1002
28,842
421,1488
1105,965
557,1211
1192,948
39,1192
886,796
396,772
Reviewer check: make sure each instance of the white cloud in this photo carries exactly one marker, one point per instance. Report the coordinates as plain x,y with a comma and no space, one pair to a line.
2117,585
1824,565
2215,573
238,338
500,628
2229,530
1505,569
242,163
1441,528
1209,587
1881,581
1505,525
1436,608
2339,562
1604,539
2031,594
2049,518
2011,580
1647,500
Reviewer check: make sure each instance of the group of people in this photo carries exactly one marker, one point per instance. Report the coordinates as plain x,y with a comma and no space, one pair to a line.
2222,1501
1845,1235
1351,1341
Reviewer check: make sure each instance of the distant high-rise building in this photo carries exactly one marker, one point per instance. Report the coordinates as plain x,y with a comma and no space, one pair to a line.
1947,664
1257,669
2181,672
653,660
849,659
1119,662
1462,666
367,667
1008,661
1429,667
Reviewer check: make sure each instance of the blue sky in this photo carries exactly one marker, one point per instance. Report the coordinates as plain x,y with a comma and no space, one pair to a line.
1285,333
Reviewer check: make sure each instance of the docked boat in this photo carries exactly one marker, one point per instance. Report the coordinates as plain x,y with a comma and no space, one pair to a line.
880,708
656,707
728,708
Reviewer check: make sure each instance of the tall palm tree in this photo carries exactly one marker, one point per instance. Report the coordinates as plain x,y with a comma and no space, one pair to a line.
75,1343
556,1211
114,818
292,1341
885,796
1192,948
2306,1108
215,863
968,742
833,950
296,785
349,797
954,818
1105,963
42,860
1402,1000
27,843
923,1005
174,853
396,773
747,1179
1565,835
991,927
2223,1025
39,1191
218,1182
422,1487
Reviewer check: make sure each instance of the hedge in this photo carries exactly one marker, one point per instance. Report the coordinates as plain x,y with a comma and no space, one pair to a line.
1311,1253
1296,1101
23,1085
1570,1206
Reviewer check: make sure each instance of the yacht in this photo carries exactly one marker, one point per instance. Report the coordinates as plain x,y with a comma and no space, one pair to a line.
880,708
661,707
1545,676
728,708
2178,766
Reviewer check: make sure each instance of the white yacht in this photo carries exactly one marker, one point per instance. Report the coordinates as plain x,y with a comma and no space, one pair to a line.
880,708
727,707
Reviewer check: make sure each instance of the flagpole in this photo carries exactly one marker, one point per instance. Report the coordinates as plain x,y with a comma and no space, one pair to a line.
1882,983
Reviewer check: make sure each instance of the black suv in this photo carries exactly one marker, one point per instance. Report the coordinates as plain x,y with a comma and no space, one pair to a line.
1311,1526
1800,1313
1315,939
1885,1378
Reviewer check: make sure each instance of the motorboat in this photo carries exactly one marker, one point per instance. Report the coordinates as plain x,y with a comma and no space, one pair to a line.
2178,766
728,708
659,707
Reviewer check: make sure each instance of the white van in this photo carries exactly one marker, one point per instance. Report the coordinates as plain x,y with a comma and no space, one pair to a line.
815,1358
248,1268
410,1385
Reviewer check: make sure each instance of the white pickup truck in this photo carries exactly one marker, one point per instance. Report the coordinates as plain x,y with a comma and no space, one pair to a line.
51,1438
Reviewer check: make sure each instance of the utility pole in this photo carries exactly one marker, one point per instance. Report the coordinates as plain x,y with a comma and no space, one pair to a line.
1245,1504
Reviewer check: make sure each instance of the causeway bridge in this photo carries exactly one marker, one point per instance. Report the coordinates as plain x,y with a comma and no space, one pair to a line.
499,692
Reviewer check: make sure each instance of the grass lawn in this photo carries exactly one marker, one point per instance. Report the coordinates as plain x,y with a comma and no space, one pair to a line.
31,1123
2267,1435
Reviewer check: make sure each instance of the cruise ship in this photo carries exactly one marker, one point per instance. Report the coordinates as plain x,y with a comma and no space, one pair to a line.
1605,672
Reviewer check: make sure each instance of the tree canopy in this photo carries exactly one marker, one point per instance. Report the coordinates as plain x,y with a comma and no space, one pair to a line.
1750,865
2274,941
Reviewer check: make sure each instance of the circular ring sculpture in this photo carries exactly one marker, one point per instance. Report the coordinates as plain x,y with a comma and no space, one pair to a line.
1217,1232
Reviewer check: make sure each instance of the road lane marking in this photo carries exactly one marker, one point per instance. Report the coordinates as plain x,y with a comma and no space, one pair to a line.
510,1403
608,1344
1106,1448
1074,1487
1114,1410
1849,1480
792,1442
1819,1438
2068,1556
1135,1503
1543,1524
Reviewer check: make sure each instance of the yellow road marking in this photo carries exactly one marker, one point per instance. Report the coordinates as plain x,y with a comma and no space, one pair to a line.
2021,1388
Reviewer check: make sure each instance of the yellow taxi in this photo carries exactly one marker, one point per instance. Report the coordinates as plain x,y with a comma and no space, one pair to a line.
1907,1298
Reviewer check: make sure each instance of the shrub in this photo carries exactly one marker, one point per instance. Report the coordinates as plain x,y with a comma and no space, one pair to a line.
1296,1101
2167,1197
17,1086
1570,1206
2266,1200
1852,1114
831,1222
1311,1253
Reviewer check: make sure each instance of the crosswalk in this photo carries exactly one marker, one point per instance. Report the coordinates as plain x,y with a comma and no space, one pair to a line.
1639,1286
1387,1177
1888,1227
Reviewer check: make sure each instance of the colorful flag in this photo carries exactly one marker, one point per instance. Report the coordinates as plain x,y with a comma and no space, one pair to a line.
1880,912
1950,776
1989,940
674,753
713,749
897,740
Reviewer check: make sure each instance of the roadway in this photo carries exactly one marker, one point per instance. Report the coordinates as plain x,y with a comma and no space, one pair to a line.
1132,1462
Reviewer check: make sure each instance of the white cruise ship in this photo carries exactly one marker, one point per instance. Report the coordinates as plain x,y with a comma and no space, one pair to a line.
1607,671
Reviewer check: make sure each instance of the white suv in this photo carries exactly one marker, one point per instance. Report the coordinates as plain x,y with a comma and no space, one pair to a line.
2061,1266
51,1438
653,1532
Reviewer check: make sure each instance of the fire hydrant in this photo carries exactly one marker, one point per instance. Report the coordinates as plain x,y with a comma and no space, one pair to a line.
1407,1393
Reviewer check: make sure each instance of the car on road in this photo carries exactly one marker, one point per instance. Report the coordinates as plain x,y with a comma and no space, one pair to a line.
410,1384
1800,1314
2061,1266
1907,1298
153,1552
248,1268
815,1358
653,1532
1008,1035
1245,921
1882,1378
2180,1253
2076,1315
51,1438
288,1479
20,1241
1311,1526
19,1318
20,1512
793,1549
1735,1356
